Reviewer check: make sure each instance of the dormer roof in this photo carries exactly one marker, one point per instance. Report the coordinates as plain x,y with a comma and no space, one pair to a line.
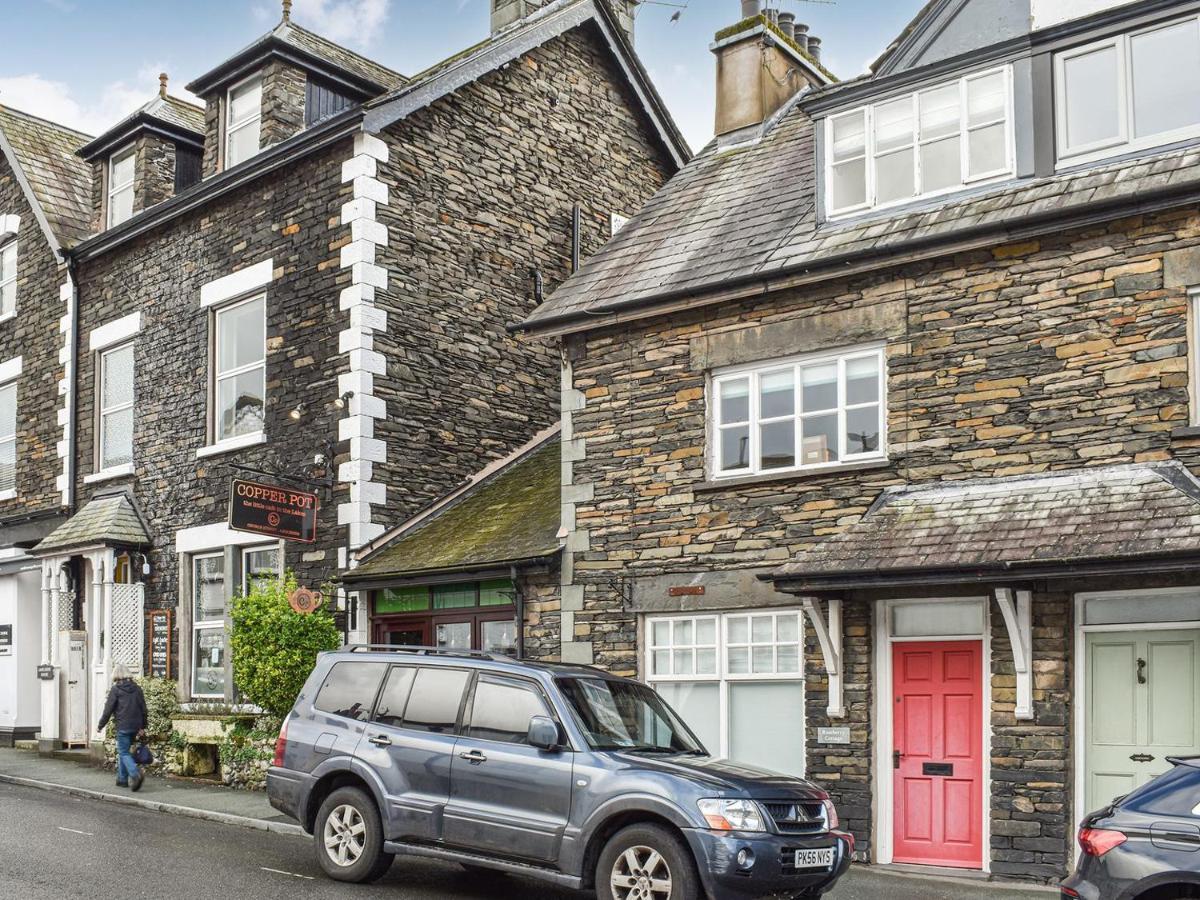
169,116
57,183
309,51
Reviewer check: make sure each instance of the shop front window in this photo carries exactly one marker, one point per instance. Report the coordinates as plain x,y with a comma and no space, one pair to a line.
468,615
209,639
259,566
737,680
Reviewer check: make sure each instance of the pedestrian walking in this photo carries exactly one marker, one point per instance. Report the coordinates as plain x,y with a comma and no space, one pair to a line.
127,706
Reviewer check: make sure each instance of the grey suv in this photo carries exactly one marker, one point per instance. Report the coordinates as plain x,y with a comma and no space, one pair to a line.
563,773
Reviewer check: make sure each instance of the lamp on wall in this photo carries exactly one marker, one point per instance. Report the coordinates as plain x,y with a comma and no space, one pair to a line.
343,401
298,412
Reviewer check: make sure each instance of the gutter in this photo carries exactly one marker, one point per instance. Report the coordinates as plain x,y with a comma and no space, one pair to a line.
429,576
860,262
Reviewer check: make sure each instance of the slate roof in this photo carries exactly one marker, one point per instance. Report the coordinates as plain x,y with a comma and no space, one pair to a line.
511,516
746,216
61,182
176,114
112,521
1149,510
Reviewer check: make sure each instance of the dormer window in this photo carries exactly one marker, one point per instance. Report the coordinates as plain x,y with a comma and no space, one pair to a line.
1128,92
243,123
120,186
920,145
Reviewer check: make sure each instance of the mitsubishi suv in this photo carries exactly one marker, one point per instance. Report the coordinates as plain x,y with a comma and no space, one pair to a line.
560,773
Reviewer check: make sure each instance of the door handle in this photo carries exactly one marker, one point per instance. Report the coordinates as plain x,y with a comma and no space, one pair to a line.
1141,758
380,740
896,757
1141,673
473,756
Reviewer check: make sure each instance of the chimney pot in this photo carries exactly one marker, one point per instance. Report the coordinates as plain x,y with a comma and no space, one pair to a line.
814,47
787,24
162,84
751,8
801,35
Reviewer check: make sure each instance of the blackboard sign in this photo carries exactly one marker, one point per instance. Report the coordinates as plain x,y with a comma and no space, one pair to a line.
5,640
272,511
158,643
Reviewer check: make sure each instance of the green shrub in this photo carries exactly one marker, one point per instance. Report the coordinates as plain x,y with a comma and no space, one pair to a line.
274,648
162,704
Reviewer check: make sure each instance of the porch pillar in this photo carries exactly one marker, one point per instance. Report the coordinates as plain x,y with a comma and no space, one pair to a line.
48,736
95,623
829,636
1016,607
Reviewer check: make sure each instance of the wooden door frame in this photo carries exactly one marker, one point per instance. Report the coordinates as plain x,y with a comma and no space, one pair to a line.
475,615
1080,682
883,809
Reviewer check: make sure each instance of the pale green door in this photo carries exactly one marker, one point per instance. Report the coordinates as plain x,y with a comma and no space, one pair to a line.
1142,692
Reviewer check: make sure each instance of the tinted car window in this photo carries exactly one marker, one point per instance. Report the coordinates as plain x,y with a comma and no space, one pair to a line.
436,696
349,689
396,689
1174,793
501,711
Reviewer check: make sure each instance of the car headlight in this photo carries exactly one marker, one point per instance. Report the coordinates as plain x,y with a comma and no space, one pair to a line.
732,815
831,816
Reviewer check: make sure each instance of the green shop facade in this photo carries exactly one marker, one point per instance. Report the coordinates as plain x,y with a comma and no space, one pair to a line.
463,574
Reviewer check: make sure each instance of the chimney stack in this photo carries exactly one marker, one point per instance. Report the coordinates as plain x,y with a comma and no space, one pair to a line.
787,24
506,12
801,36
814,47
756,72
162,85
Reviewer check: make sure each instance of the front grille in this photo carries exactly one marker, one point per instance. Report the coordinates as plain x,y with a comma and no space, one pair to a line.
797,818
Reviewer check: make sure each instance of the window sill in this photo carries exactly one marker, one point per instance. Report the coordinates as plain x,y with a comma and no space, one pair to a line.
8,495
228,446
109,474
722,484
11,314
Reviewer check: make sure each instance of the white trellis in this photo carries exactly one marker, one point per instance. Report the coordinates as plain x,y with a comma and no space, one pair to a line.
127,637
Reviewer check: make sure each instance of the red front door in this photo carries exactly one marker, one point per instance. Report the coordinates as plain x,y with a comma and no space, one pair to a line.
937,724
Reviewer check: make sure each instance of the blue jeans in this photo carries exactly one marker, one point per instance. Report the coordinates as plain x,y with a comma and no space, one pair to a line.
126,767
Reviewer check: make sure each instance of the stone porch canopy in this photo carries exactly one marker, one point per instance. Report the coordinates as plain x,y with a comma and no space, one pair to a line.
109,521
1000,532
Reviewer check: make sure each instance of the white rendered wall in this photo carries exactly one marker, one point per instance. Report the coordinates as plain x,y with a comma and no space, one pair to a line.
20,606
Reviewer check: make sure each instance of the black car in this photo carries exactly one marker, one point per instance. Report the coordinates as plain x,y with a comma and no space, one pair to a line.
1145,845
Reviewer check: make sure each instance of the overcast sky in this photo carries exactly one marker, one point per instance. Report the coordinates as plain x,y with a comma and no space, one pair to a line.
88,63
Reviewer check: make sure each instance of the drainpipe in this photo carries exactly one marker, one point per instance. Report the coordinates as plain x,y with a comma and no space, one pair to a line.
72,381
520,601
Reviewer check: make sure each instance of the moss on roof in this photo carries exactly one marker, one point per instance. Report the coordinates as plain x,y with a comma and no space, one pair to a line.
761,20
514,515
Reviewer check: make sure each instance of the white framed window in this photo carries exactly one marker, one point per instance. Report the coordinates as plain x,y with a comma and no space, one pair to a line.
260,564
800,413
116,408
8,279
209,639
240,369
1194,352
1129,92
737,678
243,121
8,440
120,186
922,144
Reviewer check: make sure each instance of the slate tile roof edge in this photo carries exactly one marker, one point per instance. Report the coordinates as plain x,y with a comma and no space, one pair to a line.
154,110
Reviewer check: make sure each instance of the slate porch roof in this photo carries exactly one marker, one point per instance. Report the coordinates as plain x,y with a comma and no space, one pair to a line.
1147,512
61,183
744,220
511,515
110,521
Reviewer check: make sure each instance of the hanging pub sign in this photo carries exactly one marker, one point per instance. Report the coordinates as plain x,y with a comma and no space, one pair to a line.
304,601
271,511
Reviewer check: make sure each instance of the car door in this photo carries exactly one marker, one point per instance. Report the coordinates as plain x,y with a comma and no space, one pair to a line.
410,743
506,797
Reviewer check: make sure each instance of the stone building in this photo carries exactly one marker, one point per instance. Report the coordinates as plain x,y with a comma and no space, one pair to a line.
307,283
882,416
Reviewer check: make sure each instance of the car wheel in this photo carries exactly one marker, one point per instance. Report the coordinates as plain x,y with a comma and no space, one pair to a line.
647,862
349,837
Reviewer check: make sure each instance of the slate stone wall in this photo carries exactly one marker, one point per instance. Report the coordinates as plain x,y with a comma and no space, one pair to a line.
154,179
1066,352
282,102
481,188
34,336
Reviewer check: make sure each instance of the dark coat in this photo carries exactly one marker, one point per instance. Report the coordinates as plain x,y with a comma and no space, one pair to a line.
127,704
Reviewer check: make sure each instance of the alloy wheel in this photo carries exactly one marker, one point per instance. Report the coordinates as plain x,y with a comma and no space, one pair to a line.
641,873
345,835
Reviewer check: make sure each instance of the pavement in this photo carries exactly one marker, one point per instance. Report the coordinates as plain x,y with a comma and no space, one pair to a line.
67,832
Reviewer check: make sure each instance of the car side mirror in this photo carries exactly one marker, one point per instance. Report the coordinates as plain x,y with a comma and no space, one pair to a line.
543,733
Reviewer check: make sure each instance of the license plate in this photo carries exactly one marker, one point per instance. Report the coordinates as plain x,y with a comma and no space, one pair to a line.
814,859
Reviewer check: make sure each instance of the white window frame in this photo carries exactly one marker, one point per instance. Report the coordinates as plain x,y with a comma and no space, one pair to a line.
723,678
964,131
1124,142
217,377
115,189
199,625
9,247
755,372
1193,334
231,127
104,412
13,384
259,548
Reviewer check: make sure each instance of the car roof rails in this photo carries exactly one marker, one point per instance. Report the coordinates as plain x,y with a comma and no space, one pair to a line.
427,651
